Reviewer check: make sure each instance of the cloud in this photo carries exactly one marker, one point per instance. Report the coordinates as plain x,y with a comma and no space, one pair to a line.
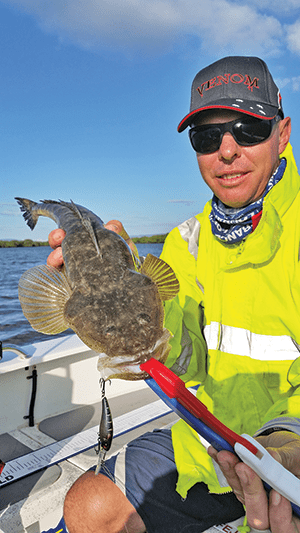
293,37
287,7
185,202
137,26
91,24
294,82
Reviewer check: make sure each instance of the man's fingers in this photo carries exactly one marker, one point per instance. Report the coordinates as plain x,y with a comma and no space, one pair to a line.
227,462
55,258
262,514
247,487
284,446
281,517
255,497
56,237
114,225
117,227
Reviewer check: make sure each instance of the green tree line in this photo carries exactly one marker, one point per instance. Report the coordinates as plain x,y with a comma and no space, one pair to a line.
21,244
152,239
28,242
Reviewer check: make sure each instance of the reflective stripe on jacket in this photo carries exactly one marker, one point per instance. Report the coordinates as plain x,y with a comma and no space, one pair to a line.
244,299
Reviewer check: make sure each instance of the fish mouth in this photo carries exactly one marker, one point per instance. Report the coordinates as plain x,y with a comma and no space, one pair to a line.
128,367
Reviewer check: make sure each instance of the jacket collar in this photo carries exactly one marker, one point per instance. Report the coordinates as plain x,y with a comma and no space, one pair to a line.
261,245
284,193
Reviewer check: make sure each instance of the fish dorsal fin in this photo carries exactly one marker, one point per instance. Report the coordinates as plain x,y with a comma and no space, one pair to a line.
162,275
87,225
43,293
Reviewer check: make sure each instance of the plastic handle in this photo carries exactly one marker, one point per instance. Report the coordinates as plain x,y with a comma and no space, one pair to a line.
174,387
271,472
207,433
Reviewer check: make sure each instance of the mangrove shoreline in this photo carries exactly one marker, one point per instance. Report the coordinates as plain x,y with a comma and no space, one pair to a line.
29,243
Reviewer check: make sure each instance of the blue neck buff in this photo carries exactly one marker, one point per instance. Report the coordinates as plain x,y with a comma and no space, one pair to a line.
231,224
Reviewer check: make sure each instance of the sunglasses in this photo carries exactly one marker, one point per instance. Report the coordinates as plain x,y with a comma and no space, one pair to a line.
246,131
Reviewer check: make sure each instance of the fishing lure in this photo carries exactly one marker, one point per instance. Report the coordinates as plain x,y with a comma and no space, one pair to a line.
105,434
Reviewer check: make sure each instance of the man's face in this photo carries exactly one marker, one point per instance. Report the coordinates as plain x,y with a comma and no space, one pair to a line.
238,175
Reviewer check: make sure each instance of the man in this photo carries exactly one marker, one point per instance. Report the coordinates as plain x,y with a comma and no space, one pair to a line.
235,325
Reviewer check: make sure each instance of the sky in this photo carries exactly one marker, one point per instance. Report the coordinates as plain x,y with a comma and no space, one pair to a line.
92,91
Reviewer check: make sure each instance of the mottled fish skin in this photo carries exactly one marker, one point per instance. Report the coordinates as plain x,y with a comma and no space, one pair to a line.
106,297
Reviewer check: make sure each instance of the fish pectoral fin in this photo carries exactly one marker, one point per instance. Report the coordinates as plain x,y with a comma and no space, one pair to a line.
162,275
43,293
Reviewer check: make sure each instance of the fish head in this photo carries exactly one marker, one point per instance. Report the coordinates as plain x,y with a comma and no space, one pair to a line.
128,368
125,322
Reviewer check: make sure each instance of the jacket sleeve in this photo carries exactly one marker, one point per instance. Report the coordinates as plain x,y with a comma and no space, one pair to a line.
286,410
184,314
280,424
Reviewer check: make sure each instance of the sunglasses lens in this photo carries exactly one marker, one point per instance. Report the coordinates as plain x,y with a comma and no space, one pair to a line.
207,139
251,131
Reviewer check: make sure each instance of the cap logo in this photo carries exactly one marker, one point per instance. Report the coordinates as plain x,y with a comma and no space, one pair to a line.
228,78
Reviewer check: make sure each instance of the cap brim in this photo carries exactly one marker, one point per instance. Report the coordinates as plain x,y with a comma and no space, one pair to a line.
255,109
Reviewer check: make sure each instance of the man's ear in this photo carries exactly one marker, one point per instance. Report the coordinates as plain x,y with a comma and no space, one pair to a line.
285,129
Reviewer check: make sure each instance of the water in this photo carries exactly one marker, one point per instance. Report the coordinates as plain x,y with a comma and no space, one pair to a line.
14,328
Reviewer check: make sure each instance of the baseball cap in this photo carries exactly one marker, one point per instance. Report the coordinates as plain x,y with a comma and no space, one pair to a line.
238,83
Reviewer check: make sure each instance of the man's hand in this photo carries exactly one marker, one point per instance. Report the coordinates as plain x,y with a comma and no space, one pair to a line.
281,518
275,513
56,237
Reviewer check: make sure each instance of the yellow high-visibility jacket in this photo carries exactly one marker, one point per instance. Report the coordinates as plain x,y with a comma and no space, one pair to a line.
236,323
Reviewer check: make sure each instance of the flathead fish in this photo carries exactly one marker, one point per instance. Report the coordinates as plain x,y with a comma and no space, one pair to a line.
103,293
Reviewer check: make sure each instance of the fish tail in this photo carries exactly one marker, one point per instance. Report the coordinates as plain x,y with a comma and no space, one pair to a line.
26,207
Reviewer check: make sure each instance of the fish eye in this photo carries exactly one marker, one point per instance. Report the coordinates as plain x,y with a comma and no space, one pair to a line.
143,318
